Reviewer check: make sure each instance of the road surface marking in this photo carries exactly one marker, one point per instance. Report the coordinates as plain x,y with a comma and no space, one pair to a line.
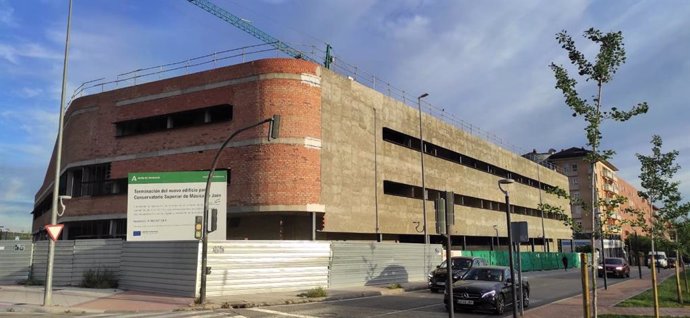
279,313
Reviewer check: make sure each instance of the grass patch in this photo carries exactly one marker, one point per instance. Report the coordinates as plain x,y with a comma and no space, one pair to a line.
394,286
667,296
100,278
314,293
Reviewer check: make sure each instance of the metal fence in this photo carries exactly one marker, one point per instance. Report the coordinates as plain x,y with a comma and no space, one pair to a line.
170,267
374,263
75,257
15,261
246,267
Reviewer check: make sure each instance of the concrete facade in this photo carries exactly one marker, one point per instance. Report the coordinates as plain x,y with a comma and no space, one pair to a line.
344,159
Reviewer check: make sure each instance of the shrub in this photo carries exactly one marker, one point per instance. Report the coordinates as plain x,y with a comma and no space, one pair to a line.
394,286
100,278
314,293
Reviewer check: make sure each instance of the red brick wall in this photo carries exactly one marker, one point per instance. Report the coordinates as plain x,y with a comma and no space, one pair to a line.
267,174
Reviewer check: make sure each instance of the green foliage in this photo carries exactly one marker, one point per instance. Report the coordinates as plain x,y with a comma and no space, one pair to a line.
656,176
667,296
611,55
394,286
314,293
100,278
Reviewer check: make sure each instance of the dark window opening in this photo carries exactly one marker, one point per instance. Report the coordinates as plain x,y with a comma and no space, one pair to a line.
414,192
190,118
404,140
398,189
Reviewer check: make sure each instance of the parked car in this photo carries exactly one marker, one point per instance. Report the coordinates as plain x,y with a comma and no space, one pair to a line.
460,264
615,266
661,260
671,262
487,288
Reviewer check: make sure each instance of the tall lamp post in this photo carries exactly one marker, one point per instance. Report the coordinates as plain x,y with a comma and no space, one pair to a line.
48,292
421,154
273,134
498,242
501,183
543,231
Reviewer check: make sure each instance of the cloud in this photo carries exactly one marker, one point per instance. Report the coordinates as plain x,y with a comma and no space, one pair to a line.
7,15
12,53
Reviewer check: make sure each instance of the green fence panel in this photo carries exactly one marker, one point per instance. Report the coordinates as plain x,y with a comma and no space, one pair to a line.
530,261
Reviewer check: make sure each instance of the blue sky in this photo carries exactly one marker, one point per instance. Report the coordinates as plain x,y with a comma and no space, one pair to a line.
484,62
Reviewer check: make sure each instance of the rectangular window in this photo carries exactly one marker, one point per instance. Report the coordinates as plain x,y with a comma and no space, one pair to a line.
574,167
190,118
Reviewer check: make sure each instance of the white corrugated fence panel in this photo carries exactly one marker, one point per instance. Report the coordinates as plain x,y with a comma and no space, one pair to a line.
381,263
167,267
62,262
15,261
95,255
247,267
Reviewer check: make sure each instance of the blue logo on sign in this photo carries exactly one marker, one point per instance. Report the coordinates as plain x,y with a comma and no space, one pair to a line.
137,233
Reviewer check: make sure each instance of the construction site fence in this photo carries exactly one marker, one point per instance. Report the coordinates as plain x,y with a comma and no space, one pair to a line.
530,261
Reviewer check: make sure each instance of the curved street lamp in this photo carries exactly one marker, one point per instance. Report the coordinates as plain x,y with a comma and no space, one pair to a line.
501,183
421,154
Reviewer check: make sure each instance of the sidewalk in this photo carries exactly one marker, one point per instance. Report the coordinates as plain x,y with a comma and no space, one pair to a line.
608,299
19,298
77,300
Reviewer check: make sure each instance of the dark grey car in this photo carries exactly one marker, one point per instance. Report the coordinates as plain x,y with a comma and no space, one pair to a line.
461,264
487,288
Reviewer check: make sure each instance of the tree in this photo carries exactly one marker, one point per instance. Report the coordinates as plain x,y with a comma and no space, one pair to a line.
611,55
666,211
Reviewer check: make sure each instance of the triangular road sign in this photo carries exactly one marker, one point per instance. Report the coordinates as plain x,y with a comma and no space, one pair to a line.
54,230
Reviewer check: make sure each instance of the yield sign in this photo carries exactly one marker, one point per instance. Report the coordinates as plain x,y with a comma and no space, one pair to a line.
54,230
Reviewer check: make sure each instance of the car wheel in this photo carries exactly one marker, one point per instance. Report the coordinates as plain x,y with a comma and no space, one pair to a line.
433,290
627,274
500,305
525,298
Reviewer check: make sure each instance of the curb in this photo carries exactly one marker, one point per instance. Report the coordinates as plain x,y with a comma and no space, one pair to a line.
302,300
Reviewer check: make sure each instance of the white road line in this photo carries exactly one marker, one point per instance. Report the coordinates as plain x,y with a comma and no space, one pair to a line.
279,313
406,310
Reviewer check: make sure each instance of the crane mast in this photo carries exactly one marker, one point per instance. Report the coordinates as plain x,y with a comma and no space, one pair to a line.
261,35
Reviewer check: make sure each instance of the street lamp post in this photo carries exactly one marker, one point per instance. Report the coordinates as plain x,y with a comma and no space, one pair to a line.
541,209
48,291
421,154
273,134
498,241
510,242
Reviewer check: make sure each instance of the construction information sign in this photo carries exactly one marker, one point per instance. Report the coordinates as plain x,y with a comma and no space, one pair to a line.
162,206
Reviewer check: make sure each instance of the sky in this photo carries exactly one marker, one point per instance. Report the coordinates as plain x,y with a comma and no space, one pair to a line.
482,62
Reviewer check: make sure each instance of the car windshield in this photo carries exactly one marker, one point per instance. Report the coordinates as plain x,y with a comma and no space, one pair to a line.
458,263
659,257
487,274
614,261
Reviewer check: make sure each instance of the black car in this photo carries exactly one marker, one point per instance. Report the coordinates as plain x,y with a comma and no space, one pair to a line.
461,264
487,288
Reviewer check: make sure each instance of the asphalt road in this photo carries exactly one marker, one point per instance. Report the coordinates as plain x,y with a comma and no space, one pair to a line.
546,288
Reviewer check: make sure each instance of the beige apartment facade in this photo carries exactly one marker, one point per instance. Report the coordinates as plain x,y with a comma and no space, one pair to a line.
608,184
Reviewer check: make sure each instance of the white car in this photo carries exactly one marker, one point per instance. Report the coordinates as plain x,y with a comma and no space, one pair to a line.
660,257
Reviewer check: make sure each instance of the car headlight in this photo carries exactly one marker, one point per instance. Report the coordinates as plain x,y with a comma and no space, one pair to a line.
456,277
619,268
431,275
600,267
490,293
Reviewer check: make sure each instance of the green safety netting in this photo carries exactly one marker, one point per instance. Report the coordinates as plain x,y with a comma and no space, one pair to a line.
531,261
